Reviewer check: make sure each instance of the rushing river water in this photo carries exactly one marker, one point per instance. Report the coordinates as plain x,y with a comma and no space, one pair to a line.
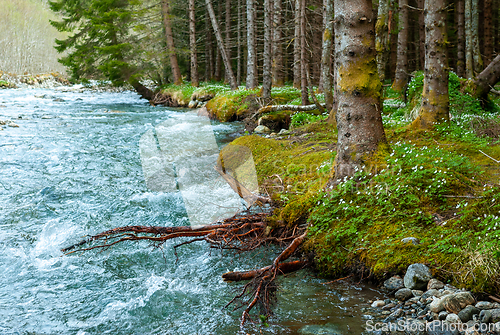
73,168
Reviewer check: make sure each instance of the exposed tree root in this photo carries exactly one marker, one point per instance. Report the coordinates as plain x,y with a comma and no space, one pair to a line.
240,232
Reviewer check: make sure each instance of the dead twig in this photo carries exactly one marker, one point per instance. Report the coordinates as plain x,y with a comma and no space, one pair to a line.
496,161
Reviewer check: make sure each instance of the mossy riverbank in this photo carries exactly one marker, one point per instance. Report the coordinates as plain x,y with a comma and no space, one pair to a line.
440,187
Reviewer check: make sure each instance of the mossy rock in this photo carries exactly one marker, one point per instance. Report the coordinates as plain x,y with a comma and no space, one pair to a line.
5,84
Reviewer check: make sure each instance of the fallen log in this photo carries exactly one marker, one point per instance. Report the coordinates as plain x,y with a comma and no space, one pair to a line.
297,108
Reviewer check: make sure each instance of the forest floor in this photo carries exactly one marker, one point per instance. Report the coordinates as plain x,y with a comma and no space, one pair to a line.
439,188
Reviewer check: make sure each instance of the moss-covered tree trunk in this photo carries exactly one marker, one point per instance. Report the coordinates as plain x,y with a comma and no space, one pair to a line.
434,108
169,36
359,122
326,55
401,77
382,37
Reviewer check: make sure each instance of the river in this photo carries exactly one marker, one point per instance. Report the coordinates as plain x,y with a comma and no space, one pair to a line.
73,168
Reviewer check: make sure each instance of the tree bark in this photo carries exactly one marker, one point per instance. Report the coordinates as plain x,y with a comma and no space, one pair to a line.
461,38
434,108
251,49
238,46
382,37
167,23
228,29
195,81
218,54
326,55
488,78
488,31
358,88
266,71
421,34
296,46
478,61
209,73
220,43
277,44
469,53
401,77
303,57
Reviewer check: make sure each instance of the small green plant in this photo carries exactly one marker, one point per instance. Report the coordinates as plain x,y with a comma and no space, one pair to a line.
263,320
302,118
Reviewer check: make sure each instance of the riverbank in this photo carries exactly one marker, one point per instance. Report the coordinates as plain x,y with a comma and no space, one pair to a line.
434,198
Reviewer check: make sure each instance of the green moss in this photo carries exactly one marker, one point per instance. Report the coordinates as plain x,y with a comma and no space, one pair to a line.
360,76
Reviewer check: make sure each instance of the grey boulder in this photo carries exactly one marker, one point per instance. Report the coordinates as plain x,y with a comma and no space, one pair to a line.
417,276
394,283
454,303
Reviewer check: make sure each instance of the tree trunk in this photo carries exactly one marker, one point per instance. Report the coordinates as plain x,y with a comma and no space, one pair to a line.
195,81
488,78
401,77
251,49
266,72
296,46
488,31
469,53
228,31
238,46
277,44
209,59
220,43
218,59
382,37
421,34
303,57
359,122
326,56
461,38
434,108
167,23
478,61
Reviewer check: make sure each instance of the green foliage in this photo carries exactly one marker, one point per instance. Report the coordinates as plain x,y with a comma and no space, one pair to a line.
99,45
302,118
366,217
